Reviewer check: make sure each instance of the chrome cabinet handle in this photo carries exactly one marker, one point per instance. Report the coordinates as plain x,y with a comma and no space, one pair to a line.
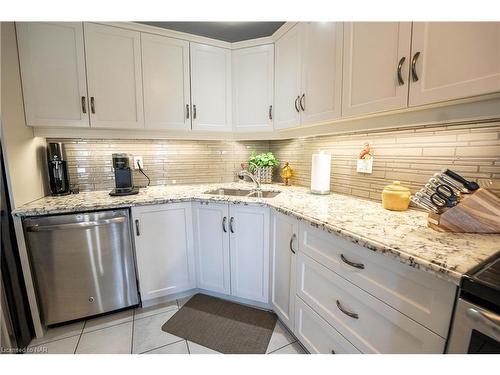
137,229
224,228
187,110
270,112
400,66
92,104
291,242
84,104
194,111
231,221
348,313
361,266
296,105
414,75
302,102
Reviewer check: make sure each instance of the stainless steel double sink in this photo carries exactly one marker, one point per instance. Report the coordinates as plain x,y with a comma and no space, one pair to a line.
243,193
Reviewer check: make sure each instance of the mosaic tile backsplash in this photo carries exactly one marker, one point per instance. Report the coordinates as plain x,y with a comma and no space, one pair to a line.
409,155
165,161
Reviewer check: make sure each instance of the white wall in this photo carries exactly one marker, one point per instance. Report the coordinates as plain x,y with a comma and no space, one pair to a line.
23,153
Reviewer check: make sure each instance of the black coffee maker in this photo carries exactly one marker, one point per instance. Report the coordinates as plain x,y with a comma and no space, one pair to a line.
58,169
124,181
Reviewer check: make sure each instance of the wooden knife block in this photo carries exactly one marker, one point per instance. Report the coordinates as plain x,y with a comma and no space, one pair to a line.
478,212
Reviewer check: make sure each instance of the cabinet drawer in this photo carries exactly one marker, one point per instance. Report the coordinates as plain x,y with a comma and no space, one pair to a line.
375,327
420,295
316,334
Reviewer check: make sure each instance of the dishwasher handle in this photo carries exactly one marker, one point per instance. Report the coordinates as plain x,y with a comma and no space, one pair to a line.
80,225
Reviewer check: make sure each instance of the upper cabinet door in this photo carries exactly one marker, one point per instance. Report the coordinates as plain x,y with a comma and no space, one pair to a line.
454,60
52,64
376,66
287,79
165,72
253,82
320,98
210,88
114,76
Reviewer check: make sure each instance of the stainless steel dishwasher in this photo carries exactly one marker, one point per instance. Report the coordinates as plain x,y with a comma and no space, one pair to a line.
83,264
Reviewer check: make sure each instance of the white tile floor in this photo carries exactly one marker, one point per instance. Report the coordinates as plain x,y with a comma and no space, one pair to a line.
138,331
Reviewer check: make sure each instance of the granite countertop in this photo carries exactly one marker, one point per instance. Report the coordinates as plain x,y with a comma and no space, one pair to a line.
401,235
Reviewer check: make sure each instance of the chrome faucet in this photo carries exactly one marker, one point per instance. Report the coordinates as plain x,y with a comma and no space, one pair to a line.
243,173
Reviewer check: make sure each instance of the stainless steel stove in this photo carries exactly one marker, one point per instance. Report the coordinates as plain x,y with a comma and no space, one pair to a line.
476,324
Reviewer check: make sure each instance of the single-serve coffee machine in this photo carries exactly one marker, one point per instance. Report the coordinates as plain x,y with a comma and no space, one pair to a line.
124,180
58,169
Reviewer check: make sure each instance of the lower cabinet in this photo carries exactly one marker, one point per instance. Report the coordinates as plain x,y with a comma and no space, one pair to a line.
164,249
232,249
284,243
211,239
368,323
317,335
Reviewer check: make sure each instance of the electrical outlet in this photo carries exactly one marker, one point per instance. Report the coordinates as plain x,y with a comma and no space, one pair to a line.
138,159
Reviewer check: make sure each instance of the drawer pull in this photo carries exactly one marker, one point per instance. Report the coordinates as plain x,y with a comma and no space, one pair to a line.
361,266
348,313
291,243
224,228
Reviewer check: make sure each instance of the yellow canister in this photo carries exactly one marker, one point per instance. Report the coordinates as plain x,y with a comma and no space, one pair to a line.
396,197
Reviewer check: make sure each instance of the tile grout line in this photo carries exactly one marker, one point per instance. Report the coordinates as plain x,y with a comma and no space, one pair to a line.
163,346
274,351
153,314
132,337
80,337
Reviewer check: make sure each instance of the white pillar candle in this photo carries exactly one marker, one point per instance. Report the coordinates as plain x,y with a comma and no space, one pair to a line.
320,173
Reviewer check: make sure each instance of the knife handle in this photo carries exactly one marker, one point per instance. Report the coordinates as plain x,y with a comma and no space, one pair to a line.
468,184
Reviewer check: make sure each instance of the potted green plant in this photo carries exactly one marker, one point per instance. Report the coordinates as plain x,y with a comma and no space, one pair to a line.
261,165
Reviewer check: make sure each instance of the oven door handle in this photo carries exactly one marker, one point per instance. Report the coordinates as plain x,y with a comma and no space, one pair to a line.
488,319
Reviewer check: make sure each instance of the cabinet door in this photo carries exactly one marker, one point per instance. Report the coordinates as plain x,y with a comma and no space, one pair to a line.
211,236
249,244
457,60
253,82
52,63
321,71
284,230
373,51
164,249
165,72
114,77
287,79
211,87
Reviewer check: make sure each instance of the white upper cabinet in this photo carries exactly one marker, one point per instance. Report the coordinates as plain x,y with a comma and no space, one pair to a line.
114,77
376,66
308,74
249,244
454,60
287,79
165,72
52,63
163,237
210,88
211,237
320,99
253,82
